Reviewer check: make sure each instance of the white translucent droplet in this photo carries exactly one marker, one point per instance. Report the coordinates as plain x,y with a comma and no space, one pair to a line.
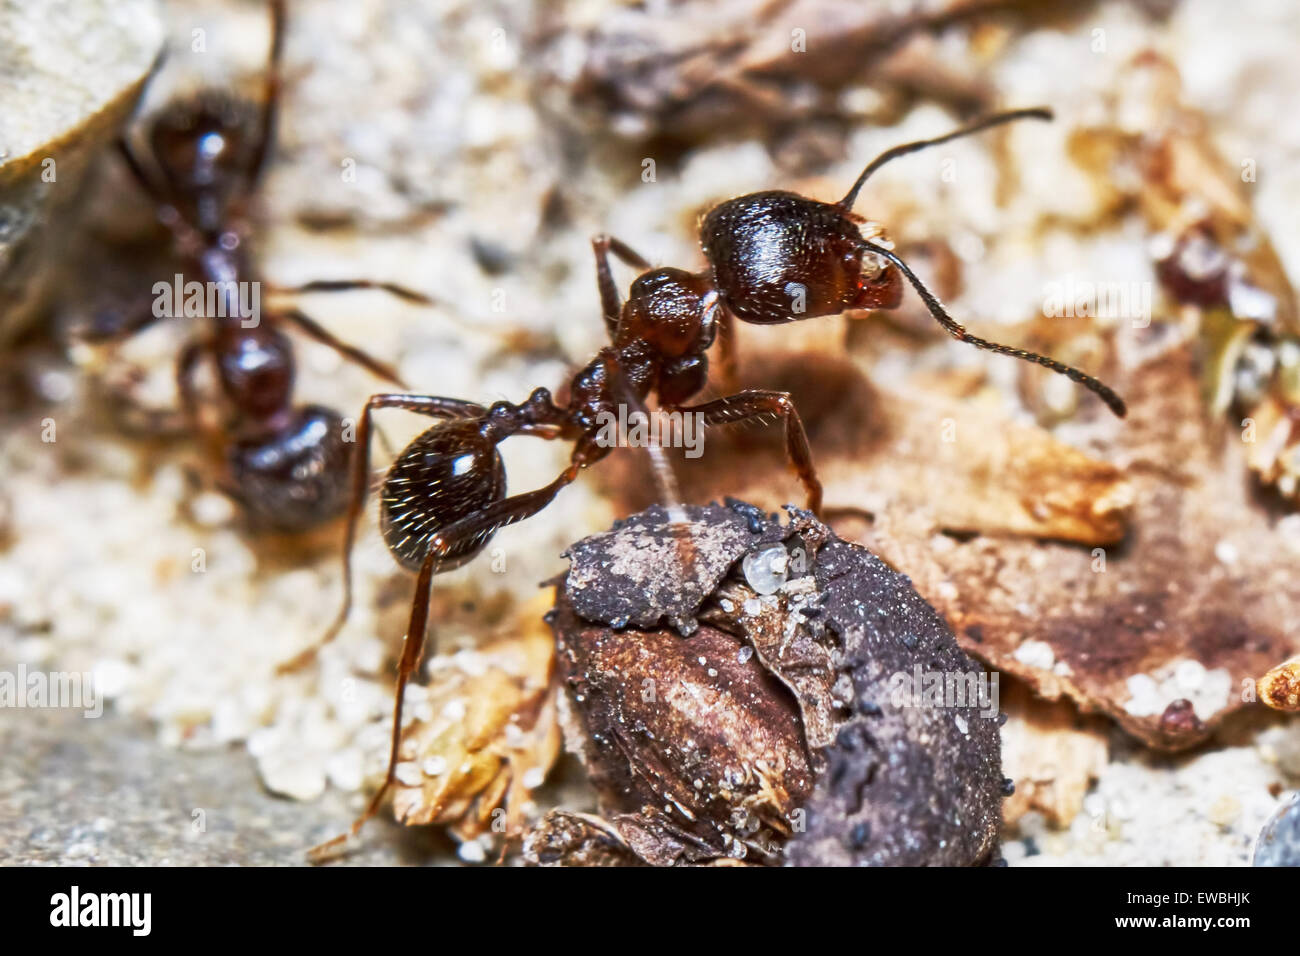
765,570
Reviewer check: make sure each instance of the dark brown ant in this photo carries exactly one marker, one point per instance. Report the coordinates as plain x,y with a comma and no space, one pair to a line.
285,464
773,257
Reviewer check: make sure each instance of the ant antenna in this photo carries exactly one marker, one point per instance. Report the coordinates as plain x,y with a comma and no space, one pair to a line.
997,119
951,326
270,93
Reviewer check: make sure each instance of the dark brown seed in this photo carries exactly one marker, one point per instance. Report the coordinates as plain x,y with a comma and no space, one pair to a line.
771,725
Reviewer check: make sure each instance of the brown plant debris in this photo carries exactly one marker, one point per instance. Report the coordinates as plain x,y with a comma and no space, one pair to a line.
726,63
1051,753
1280,687
486,736
1213,260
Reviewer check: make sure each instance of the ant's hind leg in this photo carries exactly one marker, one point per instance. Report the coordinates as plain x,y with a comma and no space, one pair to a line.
412,649
429,405
350,352
756,404
449,539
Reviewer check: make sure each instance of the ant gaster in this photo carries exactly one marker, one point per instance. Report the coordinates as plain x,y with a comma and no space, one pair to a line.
445,495
286,464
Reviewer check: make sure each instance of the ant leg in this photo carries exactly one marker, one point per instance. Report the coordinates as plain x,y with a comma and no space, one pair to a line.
107,326
347,285
393,288
421,404
610,304
186,365
270,97
759,404
139,172
626,254
497,515
412,647
349,352
727,364
669,494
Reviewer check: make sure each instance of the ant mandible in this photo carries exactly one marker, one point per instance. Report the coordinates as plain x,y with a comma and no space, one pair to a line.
444,496
286,465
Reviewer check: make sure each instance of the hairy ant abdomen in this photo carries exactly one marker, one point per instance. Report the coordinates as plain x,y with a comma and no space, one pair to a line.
449,471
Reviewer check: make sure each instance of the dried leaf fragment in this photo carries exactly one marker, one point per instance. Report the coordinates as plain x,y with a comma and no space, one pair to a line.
1280,687
489,736
1050,753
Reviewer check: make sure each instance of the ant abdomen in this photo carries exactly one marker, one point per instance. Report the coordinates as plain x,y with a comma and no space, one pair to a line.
449,471
780,257
296,478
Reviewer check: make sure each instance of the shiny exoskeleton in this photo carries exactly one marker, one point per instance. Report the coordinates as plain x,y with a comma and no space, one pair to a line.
773,257
285,464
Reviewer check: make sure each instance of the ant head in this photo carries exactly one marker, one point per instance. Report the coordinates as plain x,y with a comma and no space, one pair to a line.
202,150
673,310
779,257
450,471
296,479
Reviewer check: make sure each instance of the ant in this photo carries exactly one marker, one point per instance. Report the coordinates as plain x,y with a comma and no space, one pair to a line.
286,464
444,496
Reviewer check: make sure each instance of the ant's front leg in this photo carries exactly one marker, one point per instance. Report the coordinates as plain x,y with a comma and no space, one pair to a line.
350,352
449,540
429,405
270,97
187,363
611,305
727,363
759,404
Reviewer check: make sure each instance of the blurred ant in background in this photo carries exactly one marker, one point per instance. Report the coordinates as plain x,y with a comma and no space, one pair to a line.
285,464
773,257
